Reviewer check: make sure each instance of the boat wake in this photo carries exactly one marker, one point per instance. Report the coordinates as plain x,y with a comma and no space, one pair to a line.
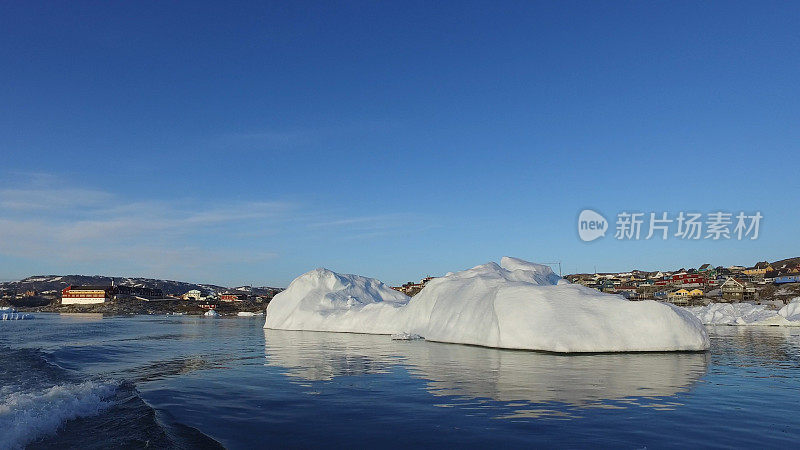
25,416
43,405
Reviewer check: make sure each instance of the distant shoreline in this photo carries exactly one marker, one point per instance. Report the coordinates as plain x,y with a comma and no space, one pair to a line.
131,306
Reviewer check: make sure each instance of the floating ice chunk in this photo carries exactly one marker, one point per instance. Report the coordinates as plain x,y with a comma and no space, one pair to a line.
406,337
7,313
321,300
522,305
515,304
792,310
211,313
747,314
249,314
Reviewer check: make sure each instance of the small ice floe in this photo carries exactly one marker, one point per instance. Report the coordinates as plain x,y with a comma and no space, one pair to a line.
12,314
211,313
406,337
249,314
748,314
792,310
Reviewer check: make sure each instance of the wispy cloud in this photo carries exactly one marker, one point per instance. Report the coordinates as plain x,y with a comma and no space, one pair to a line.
51,199
378,221
84,227
78,225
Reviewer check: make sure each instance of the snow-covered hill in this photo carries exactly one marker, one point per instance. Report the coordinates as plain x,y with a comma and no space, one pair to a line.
55,283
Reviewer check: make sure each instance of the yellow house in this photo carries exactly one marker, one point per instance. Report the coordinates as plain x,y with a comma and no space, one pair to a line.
679,296
759,270
696,293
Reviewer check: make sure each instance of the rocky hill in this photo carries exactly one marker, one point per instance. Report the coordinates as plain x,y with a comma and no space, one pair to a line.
53,284
786,262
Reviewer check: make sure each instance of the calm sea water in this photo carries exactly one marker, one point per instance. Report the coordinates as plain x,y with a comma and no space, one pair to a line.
189,382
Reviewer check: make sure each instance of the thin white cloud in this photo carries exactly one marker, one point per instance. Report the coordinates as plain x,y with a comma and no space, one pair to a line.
47,221
379,221
81,227
51,199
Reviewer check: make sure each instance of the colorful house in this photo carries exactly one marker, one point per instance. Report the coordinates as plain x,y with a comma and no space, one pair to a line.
86,295
736,290
759,270
679,297
233,297
787,279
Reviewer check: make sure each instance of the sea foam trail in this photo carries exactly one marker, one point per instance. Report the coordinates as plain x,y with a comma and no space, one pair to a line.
26,416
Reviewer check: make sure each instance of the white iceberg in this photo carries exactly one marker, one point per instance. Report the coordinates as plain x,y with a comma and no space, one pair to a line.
792,310
211,313
249,314
321,300
516,305
7,313
748,314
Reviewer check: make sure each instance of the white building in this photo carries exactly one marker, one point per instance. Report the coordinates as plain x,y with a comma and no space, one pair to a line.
85,295
194,294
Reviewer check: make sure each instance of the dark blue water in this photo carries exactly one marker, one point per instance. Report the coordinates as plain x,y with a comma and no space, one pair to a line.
190,382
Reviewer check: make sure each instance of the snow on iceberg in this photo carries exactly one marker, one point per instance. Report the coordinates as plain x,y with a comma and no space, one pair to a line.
321,300
516,305
792,310
748,314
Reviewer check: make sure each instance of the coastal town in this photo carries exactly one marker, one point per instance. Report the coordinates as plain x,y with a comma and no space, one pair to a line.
75,293
761,282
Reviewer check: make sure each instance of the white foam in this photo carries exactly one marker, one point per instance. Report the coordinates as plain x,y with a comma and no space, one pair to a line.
25,416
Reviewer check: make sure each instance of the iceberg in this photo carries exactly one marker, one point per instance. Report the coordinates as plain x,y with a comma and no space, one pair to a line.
791,311
322,300
7,313
515,305
249,314
743,314
211,313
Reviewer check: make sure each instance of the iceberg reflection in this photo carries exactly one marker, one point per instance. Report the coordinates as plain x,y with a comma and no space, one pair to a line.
488,373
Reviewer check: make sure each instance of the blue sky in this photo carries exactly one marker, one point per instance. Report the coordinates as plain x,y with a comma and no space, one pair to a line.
243,143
